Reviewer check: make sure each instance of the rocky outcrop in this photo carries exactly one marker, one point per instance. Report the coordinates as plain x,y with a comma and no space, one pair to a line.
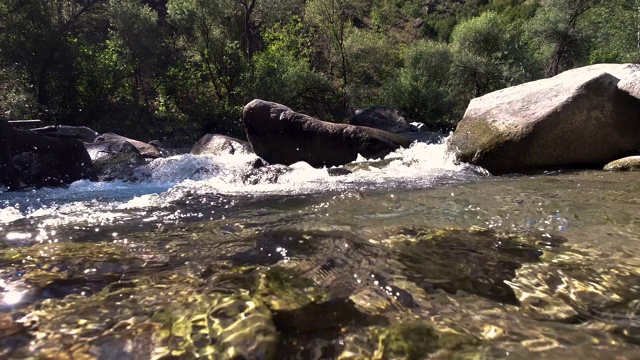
381,117
214,144
146,150
629,163
282,136
576,119
31,159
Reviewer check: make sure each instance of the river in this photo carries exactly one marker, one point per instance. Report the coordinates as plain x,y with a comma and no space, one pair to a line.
407,258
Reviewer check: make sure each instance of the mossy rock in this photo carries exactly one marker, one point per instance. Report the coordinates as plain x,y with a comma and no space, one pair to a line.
629,163
170,317
409,339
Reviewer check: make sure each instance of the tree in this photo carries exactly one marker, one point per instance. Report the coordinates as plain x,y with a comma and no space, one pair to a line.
488,55
39,38
283,73
555,29
330,16
422,89
137,43
613,28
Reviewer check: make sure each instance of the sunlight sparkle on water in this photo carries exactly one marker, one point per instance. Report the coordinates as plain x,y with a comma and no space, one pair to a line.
13,297
14,235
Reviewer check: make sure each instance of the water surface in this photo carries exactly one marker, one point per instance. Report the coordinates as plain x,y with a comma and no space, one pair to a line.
414,256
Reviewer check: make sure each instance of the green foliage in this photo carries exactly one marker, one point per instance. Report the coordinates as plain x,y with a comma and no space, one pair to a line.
17,100
488,55
120,65
422,89
373,59
613,27
283,74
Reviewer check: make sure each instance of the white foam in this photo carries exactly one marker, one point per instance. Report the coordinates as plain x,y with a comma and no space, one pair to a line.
178,177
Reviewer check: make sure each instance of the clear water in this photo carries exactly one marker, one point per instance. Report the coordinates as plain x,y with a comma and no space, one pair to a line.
196,214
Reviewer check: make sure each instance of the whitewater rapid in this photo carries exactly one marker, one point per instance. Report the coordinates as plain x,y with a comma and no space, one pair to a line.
182,177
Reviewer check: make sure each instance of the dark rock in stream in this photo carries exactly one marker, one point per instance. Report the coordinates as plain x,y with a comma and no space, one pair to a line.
116,160
282,136
381,117
83,133
31,159
264,174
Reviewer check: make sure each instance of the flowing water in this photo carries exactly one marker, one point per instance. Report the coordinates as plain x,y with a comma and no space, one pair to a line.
410,257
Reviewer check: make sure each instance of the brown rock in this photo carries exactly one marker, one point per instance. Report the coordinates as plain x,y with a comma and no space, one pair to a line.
146,150
282,136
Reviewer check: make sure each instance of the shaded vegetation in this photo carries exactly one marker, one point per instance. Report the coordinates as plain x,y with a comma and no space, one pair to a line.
184,67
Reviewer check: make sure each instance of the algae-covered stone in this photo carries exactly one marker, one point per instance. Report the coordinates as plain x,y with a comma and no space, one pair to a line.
433,259
629,163
170,317
301,305
409,339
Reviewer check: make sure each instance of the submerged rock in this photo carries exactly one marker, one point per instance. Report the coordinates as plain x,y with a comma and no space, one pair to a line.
256,290
281,136
629,163
167,318
576,119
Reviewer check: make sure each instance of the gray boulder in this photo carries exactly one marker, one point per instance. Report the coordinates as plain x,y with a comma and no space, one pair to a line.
282,136
146,150
629,163
576,119
214,144
382,118
115,160
69,132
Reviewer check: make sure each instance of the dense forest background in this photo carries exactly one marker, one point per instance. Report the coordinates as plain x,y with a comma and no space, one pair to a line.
179,68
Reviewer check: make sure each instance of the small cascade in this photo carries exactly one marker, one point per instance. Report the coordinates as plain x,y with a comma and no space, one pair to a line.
176,178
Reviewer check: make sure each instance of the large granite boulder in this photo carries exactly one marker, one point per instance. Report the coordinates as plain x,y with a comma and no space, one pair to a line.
282,136
381,117
576,119
146,150
28,159
214,144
